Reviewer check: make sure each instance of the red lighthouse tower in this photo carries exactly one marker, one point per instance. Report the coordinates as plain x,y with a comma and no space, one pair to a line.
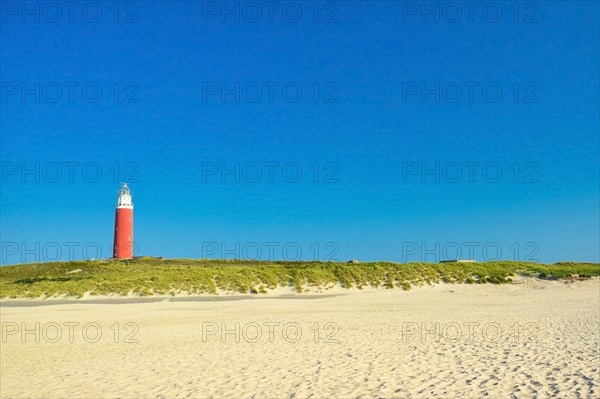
123,245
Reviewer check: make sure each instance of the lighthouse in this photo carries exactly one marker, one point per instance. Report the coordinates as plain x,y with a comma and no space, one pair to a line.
123,245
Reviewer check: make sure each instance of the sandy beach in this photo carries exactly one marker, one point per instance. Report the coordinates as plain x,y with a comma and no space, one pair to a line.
537,339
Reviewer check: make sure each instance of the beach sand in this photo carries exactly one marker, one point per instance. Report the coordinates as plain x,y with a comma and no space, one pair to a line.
533,339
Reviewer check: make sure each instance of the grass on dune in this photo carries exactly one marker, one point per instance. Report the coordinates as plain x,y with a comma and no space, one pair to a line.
147,276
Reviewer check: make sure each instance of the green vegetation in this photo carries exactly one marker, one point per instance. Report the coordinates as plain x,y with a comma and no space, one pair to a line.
148,276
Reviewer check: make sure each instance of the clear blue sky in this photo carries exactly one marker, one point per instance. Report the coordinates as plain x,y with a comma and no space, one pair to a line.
369,131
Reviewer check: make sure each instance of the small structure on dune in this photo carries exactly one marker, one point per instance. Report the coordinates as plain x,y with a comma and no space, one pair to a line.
458,261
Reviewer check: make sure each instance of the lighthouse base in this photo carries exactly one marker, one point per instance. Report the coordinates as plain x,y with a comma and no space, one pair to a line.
123,243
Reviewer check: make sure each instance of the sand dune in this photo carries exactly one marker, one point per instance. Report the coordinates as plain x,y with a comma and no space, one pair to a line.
536,339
